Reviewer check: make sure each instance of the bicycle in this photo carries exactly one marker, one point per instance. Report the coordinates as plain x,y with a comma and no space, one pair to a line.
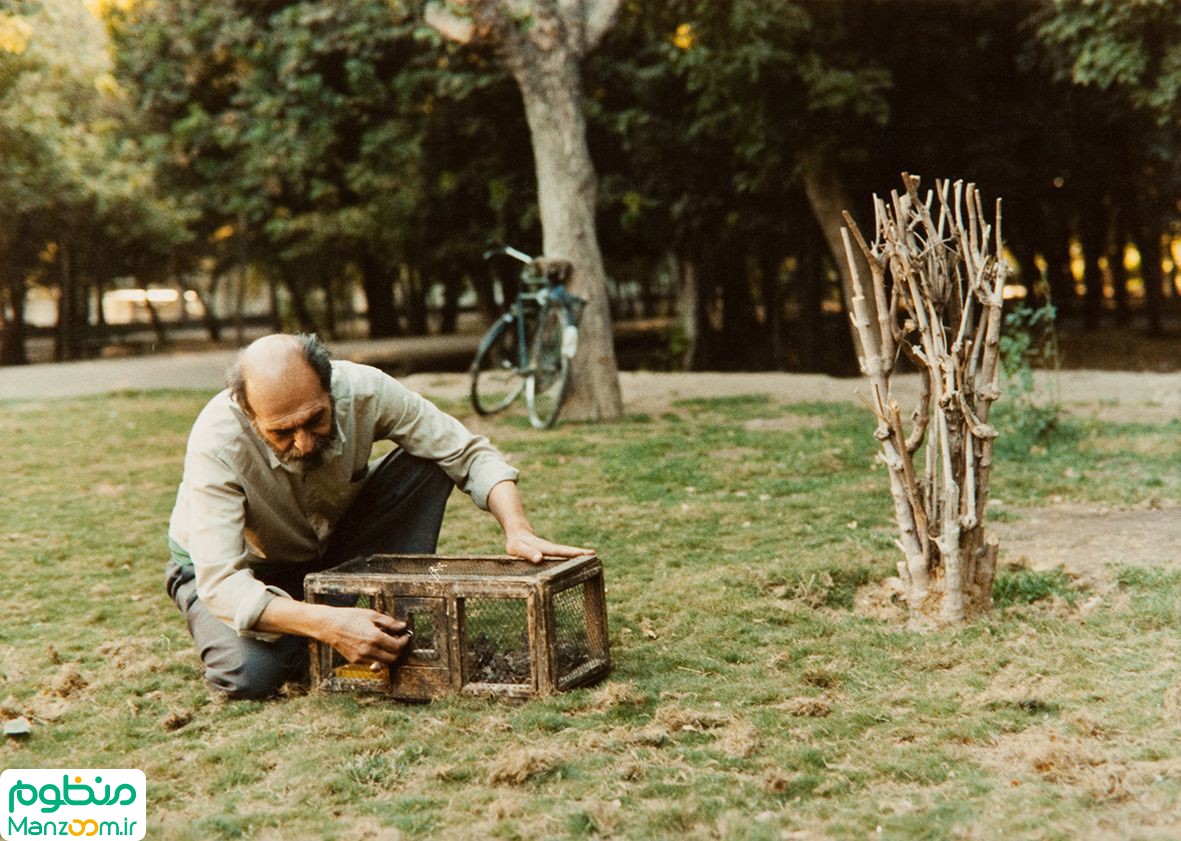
530,347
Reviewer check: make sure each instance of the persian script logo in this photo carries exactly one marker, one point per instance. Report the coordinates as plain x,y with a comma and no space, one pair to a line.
92,803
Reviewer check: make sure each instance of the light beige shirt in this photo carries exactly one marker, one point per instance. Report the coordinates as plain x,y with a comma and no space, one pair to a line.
239,506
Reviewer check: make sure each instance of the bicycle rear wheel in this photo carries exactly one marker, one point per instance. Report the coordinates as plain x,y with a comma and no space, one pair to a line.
496,378
549,368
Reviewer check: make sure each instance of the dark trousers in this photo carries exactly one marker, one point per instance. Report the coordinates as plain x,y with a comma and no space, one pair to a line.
399,510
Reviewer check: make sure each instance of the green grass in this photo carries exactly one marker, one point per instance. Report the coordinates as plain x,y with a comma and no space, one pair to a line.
765,703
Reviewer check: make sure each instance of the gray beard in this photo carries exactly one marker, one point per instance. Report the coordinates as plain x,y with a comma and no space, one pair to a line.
304,464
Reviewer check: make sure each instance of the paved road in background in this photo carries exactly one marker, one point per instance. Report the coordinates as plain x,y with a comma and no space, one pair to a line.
205,371
1108,395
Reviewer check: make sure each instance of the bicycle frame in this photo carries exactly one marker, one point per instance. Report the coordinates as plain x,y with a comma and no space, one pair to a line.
542,303
544,292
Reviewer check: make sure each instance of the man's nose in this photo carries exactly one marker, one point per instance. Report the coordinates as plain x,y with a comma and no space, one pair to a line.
305,442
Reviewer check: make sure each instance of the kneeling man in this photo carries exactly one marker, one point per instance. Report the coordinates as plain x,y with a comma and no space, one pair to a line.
277,484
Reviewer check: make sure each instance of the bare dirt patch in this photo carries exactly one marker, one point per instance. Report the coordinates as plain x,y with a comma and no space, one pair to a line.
1040,752
1089,541
786,423
1114,396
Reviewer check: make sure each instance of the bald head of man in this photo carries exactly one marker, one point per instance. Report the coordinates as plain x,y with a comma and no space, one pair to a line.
284,384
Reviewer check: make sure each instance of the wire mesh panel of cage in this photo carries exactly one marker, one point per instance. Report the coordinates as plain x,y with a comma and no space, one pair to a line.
490,624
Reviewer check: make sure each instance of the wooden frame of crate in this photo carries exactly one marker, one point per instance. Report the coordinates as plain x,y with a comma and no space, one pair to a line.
487,624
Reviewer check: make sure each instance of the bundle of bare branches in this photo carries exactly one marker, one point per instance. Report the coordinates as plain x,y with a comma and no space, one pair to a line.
938,273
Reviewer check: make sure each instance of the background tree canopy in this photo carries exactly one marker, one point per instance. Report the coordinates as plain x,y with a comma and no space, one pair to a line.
313,148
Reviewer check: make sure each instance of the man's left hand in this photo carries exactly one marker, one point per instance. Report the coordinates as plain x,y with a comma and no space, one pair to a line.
519,539
533,548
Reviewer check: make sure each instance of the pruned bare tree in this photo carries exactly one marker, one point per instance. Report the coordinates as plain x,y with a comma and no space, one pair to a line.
937,281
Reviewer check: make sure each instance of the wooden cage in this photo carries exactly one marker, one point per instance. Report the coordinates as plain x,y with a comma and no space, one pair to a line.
490,625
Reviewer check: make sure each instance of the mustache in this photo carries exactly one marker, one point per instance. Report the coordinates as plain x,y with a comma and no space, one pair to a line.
312,459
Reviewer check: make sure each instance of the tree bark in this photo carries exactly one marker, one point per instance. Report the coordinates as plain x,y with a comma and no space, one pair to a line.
1094,236
810,285
551,87
772,292
12,342
299,305
208,310
541,43
378,284
689,318
827,198
944,312
66,345
449,314
157,323
1148,243
414,301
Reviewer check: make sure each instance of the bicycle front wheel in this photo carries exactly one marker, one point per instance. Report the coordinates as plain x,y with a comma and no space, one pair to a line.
497,379
549,366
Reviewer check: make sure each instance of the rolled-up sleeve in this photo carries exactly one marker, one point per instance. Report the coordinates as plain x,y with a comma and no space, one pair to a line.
422,429
216,544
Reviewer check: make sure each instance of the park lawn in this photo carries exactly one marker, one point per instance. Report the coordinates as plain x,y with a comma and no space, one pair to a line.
749,697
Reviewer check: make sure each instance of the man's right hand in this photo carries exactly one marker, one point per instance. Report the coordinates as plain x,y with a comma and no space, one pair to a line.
364,636
359,634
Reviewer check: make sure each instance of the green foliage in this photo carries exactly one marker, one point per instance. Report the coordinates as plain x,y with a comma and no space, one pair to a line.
1026,586
333,142
73,172
331,139
1028,415
745,88
1130,47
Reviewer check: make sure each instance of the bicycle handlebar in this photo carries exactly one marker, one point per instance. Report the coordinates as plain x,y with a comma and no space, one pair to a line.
501,248
537,269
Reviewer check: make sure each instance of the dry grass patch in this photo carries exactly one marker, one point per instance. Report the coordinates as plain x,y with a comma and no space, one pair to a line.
739,740
806,707
519,766
616,694
681,719
1067,761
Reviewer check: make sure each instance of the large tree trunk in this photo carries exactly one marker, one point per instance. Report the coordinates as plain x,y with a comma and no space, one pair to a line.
1148,243
541,43
810,283
1094,236
414,290
827,198
689,319
551,88
12,342
67,337
452,290
378,283
206,296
